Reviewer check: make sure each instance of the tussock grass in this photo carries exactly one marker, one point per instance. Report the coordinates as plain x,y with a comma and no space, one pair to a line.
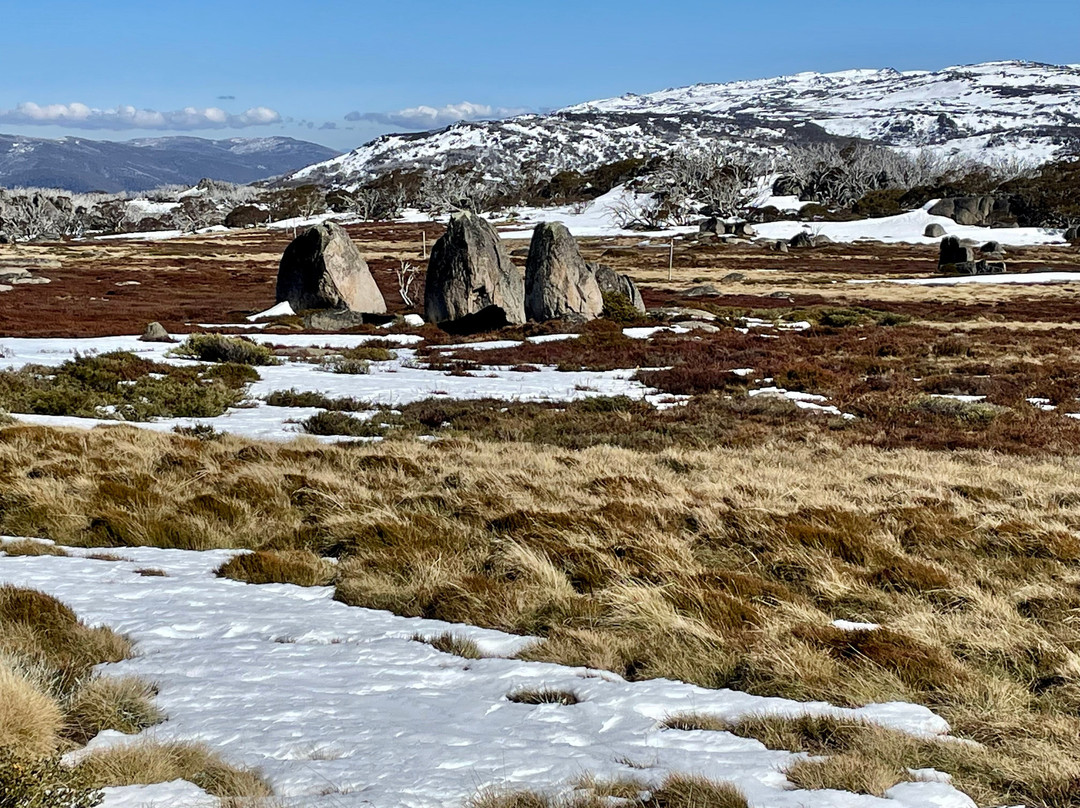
44,631
123,704
300,567
450,643
847,773
676,791
30,718
49,698
221,348
27,547
724,568
147,763
543,696
42,782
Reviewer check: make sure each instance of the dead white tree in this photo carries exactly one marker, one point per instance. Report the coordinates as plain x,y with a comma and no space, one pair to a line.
406,277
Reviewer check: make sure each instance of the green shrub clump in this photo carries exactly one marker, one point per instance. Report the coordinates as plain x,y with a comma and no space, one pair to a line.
42,783
221,348
620,309
123,387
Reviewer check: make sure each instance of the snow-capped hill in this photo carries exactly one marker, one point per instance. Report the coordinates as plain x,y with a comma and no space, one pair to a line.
1020,110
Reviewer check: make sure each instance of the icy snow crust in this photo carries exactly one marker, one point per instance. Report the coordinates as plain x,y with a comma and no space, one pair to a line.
338,707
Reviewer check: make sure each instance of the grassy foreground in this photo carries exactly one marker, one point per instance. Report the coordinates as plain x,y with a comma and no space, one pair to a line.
723,568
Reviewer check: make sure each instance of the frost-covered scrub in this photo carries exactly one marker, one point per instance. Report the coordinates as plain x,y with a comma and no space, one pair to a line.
928,578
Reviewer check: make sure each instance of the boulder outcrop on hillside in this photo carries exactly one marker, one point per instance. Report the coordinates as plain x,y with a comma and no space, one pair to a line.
323,269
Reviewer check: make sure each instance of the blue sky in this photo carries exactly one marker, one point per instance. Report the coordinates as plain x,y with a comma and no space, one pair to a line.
341,73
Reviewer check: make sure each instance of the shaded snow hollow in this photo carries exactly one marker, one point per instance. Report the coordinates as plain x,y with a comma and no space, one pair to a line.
339,707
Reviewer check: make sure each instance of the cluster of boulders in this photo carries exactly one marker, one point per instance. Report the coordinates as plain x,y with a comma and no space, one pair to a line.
958,257
720,228
471,284
980,211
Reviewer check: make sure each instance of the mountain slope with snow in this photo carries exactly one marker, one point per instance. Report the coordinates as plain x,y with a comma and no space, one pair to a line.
998,110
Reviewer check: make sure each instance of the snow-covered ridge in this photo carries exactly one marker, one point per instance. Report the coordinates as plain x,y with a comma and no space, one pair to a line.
1021,110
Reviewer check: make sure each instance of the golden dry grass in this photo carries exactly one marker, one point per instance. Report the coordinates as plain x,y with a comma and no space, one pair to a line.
675,791
145,763
28,547
723,568
123,704
299,567
30,718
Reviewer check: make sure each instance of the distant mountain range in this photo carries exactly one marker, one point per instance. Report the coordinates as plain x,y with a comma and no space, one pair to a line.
998,110
79,164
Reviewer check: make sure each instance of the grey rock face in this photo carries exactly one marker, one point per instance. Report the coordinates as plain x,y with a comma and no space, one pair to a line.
953,252
1072,234
934,231
612,282
982,211
323,269
558,282
155,332
470,272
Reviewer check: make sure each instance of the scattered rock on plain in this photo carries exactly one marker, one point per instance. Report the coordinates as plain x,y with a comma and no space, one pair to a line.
155,332
323,269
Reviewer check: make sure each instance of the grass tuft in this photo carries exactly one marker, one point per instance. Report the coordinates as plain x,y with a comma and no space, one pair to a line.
299,567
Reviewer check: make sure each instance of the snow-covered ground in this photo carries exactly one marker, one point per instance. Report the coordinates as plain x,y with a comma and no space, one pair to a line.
909,228
959,280
396,382
338,707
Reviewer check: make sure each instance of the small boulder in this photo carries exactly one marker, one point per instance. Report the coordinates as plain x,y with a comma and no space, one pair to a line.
712,226
155,332
705,290
735,277
612,282
323,269
558,282
780,247
742,229
820,241
470,278
992,247
801,239
1072,234
934,230
953,252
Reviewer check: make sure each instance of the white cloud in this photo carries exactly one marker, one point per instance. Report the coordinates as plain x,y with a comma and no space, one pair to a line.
80,116
424,117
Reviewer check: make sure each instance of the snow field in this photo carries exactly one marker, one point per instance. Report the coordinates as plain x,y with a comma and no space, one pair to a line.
338,707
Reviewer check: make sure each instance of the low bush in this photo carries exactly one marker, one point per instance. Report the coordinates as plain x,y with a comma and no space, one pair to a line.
340,423
297,398
452,644
221,348
543,696
42,783
620,309
355,367
120,386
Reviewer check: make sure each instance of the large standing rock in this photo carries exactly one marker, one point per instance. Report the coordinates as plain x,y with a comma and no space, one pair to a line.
558,282
953,252
611,282
471,278
323,269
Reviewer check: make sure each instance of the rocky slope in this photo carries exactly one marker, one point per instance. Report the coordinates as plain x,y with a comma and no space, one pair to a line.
998,110
79,164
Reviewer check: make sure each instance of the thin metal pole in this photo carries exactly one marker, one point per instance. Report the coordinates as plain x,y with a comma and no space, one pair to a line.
671,258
